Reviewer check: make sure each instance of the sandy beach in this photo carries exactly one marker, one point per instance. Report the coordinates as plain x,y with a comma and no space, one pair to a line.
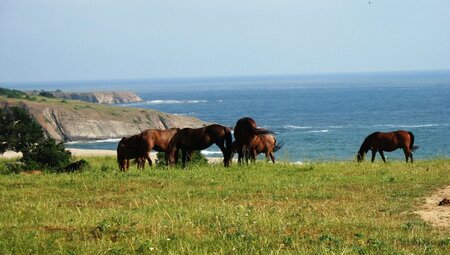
75,152
93,153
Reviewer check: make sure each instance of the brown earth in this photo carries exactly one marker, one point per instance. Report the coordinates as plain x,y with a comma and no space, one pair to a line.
432,212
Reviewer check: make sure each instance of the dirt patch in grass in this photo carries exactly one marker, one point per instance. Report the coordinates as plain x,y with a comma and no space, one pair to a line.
431,211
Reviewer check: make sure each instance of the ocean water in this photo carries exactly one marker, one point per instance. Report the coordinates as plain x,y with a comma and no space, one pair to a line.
318,118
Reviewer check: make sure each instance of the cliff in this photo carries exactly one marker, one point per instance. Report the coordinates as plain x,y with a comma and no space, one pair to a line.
102,97
67,120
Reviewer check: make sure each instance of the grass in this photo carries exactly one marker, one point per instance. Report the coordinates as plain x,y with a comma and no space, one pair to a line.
316,208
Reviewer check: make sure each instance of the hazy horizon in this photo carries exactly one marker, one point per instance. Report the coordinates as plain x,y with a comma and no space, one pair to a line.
398,78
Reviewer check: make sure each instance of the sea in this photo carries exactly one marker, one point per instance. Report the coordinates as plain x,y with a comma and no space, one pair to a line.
323,117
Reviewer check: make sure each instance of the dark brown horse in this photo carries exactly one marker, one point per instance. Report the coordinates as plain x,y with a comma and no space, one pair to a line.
379,142
139,146
244,131
190,139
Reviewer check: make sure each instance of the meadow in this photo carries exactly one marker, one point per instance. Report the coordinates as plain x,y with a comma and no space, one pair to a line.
313,208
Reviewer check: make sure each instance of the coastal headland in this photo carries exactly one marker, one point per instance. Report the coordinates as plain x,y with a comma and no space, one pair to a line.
75,120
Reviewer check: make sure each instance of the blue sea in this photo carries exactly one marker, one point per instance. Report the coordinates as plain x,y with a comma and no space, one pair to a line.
317,117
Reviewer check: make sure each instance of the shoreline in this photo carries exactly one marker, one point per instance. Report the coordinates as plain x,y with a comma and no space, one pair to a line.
93,153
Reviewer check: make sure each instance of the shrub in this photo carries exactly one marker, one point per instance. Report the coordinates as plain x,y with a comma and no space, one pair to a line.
21,133
47,154
12,93
44,93
197,159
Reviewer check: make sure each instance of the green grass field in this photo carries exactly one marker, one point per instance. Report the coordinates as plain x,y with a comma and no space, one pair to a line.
315,208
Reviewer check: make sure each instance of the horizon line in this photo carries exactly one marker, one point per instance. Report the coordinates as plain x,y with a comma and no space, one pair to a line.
226,77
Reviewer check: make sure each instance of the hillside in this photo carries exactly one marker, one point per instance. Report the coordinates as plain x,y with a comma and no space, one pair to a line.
67,120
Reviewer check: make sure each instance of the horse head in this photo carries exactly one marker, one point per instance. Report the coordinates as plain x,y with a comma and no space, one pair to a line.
360,156
171,154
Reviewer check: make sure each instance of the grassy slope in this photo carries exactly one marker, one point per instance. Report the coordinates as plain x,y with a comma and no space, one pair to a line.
341,207
83,108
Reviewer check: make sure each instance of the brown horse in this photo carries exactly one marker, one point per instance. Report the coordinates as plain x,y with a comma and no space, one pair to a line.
190,139
379,142
139,146
244,131
266,144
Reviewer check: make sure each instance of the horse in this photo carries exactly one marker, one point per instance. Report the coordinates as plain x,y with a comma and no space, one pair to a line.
139,146
190,139
379,142
244,131
128,148
266,144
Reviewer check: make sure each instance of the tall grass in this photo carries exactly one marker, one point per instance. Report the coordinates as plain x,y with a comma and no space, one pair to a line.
316,208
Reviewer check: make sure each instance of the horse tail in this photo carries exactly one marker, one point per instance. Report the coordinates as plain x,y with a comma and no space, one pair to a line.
277,145
411,145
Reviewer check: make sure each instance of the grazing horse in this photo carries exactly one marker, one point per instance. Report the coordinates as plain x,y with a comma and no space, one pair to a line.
379,142
244,131
266,144
190,139
139,146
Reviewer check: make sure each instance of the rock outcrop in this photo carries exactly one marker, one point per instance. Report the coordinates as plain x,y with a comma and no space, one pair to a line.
75,120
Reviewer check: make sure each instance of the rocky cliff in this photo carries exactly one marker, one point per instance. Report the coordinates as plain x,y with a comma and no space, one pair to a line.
74,120
99,97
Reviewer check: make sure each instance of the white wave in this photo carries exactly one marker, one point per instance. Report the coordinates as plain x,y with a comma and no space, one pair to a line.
407,126
295,127
175,101
297,163
184,114
318,131
111,140
211,152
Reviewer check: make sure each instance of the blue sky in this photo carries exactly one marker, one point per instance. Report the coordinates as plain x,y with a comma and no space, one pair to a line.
55,40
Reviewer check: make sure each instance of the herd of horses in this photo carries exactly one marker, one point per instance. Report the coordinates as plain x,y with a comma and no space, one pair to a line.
249,141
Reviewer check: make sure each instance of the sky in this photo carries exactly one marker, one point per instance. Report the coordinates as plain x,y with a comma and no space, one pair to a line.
55,40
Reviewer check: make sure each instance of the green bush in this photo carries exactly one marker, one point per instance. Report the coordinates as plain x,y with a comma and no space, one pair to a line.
44,93
197,159
12,93
47,154
21,133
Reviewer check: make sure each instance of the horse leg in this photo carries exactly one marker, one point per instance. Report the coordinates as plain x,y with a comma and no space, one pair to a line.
373,155
253,156
272,157
224,153
246,154
127,165
408,154
183,158
147,156
382,155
